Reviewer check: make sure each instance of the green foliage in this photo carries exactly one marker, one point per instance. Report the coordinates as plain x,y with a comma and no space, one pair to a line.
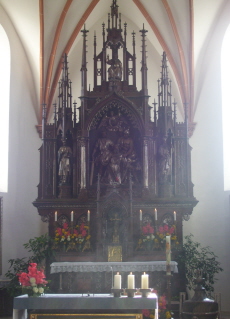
41,249
194,257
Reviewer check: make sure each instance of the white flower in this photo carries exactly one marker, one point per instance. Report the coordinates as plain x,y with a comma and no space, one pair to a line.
40,290
68,238
32,280
62,239
35,289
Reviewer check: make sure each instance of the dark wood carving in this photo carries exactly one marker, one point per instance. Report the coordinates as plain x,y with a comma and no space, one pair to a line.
109,157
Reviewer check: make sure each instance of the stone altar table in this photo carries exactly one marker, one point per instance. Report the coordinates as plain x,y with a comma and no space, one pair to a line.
137,267
79,303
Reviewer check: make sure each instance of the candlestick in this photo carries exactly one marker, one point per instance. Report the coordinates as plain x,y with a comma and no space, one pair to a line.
117,281
168,255
72,216
174,214
55,217
155,214
131,281
140,214
88,215
145,281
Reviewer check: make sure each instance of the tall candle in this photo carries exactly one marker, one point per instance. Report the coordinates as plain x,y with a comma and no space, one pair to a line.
88,215
155,214
168,254
72,216
140,214
145,281
131,281
117,281
55,216
174,214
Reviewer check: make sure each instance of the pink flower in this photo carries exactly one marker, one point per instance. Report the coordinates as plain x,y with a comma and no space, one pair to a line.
146,312
84,233
161,230
59,231
24,279
148,229
162,302
171,230
75,232
166,228
65,226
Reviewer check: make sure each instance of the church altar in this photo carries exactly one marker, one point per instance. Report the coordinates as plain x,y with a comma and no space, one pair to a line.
76,303
138,266
103,270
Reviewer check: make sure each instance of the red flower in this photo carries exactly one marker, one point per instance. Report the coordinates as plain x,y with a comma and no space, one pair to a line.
65,226
84,233
24,279
166,228
162,302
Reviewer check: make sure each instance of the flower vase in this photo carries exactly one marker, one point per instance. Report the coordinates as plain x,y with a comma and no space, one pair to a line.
148,245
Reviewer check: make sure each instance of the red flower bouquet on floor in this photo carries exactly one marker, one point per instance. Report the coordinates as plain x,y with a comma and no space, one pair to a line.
33,283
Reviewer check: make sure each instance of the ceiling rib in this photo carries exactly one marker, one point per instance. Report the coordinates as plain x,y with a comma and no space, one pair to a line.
67,49
164,46
191,60
41,17
180,50
54,49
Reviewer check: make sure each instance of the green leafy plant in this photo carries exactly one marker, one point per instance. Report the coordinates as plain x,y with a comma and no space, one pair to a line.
41,249
194,257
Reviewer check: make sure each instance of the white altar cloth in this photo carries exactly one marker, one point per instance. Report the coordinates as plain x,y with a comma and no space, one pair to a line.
137,266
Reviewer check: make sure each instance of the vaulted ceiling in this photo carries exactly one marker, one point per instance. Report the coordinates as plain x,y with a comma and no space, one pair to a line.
181,28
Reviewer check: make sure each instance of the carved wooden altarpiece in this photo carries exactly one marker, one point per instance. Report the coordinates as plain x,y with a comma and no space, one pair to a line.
109,157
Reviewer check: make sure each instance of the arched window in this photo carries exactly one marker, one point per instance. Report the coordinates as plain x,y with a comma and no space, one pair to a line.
4,107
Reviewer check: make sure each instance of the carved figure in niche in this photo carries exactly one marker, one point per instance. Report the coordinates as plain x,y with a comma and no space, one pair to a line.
164,160
102,154
129,162
64,162
115,69
114,172
113,122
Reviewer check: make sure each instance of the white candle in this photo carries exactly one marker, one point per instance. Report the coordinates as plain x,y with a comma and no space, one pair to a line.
117,281
168,254
155,214
174,214
144,281
140,214
55,216
131,281
88,215
72,216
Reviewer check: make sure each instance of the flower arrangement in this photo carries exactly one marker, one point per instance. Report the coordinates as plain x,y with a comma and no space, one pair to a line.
161,234
33,283
69,238
163,313
154,239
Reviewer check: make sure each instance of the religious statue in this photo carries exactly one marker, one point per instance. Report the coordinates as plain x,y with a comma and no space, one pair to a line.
102,154
64,162
129,162
164,160
115,69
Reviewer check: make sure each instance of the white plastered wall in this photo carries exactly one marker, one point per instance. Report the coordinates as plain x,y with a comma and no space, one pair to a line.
20,220
210,220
